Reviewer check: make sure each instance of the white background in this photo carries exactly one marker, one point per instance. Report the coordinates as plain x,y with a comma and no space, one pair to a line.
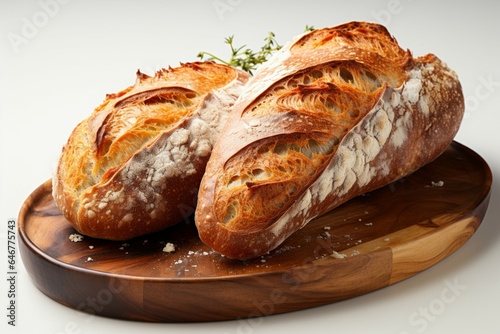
59,58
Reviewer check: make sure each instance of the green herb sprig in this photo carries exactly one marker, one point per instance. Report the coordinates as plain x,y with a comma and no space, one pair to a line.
245,58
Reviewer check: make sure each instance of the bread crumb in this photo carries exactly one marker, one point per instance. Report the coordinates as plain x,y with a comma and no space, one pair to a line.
169,248
89,259
338,255
91,247
437,184
75,237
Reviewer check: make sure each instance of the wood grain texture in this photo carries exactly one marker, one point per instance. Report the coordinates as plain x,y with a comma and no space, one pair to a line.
385,236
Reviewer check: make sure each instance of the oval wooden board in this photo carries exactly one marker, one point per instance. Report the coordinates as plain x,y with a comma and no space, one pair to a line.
379,238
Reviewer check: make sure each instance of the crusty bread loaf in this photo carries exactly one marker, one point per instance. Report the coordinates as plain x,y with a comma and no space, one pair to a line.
334,114
134,166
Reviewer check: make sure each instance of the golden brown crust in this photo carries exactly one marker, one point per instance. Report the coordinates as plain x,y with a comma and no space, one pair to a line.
336,113
134,166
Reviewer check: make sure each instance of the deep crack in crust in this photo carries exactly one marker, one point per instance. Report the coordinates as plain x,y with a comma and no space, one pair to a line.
338,112
134,166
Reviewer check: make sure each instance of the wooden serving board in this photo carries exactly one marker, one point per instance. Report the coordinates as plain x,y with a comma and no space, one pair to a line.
371,242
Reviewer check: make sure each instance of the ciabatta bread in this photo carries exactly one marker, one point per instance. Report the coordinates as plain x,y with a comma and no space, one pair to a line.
134,166
334,114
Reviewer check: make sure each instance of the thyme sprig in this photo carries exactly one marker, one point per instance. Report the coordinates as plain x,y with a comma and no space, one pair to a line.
245,58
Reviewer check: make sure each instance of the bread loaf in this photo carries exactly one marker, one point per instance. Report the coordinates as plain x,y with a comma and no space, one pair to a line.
336,113
134,166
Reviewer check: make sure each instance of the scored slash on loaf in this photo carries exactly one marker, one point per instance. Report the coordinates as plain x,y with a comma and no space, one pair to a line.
334,114
134,166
